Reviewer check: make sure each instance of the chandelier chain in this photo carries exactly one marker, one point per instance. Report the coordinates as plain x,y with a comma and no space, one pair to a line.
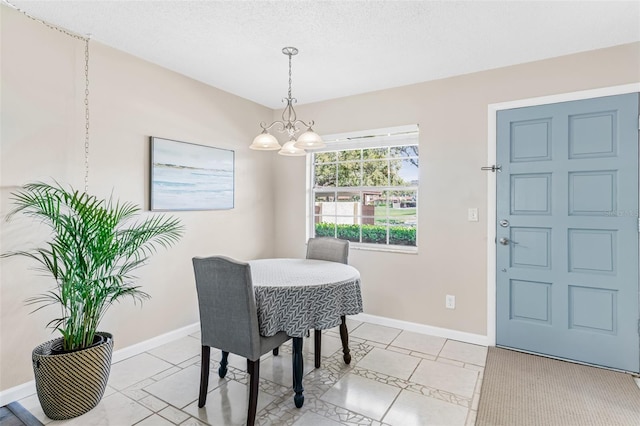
86,115
86,80
45,23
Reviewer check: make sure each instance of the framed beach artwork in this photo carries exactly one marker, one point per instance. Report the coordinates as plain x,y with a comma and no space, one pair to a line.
187,176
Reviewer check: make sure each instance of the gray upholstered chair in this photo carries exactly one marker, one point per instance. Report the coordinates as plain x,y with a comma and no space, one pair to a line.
332,250
229,321
328,248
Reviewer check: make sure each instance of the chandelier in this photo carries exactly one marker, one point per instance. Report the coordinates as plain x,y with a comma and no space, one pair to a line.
309,139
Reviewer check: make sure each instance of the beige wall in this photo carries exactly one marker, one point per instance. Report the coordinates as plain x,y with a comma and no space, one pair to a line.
43,138
452,115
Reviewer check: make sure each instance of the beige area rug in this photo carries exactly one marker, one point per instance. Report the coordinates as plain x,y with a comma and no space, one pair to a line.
521,389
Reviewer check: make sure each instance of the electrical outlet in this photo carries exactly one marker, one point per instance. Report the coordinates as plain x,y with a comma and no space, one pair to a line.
450,302
472,214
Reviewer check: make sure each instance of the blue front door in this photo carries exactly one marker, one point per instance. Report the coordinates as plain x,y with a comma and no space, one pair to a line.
567,231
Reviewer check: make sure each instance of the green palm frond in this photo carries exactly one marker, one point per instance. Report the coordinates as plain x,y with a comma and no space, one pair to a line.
95,245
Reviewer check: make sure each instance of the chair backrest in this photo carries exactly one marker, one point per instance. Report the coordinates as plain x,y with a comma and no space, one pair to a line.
328,248
228,315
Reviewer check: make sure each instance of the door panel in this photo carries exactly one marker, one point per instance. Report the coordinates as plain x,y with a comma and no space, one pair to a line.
567,255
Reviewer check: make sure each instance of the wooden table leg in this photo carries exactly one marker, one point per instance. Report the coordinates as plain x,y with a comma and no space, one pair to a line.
344,336
317,347
298,369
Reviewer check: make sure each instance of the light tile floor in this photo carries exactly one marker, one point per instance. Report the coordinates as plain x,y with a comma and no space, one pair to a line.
395,378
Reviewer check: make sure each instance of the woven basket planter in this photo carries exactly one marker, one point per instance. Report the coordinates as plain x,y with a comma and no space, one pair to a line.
72,383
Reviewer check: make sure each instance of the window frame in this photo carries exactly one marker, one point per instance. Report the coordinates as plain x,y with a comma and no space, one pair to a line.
368,139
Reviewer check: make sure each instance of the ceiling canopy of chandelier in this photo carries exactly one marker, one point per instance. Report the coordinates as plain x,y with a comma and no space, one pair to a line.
309,139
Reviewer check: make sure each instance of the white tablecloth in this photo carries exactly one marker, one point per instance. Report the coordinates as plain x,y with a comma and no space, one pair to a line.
295,295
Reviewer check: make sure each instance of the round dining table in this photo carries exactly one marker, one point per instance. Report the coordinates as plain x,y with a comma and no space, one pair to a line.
297,295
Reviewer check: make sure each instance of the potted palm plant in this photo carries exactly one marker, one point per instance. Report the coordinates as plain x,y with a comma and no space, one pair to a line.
94,247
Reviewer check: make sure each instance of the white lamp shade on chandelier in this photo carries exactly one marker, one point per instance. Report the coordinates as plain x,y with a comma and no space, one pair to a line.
309,139
291,150
265,141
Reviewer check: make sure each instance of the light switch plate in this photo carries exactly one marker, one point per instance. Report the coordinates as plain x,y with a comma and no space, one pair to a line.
472,215
450,302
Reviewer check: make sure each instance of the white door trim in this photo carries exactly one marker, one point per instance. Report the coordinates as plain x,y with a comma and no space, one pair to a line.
492,110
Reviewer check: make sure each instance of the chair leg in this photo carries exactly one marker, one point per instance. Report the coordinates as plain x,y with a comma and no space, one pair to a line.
222,371
254,379
318,347
204,375
344,336
276,351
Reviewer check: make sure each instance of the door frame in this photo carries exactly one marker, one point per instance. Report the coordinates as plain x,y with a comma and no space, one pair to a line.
492,112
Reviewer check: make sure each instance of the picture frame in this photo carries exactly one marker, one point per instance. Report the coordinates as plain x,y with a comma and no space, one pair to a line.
188,176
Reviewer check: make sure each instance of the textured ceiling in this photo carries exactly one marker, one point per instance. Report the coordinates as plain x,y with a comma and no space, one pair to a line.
346,47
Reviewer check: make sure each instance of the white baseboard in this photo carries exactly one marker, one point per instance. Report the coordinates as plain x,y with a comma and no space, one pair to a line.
476,339
17,392
154,342
26,389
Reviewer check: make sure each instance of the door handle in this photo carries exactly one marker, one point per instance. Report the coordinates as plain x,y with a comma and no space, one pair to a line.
504,241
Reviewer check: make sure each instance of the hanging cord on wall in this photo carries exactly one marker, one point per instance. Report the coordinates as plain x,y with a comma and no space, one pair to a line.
86,81
86,114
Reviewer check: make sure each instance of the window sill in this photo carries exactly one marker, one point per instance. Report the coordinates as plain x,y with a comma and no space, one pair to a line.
385,248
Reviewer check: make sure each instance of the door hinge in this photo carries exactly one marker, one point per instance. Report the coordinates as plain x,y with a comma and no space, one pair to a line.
639,224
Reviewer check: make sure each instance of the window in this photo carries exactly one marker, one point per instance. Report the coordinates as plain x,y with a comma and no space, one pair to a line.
364,188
